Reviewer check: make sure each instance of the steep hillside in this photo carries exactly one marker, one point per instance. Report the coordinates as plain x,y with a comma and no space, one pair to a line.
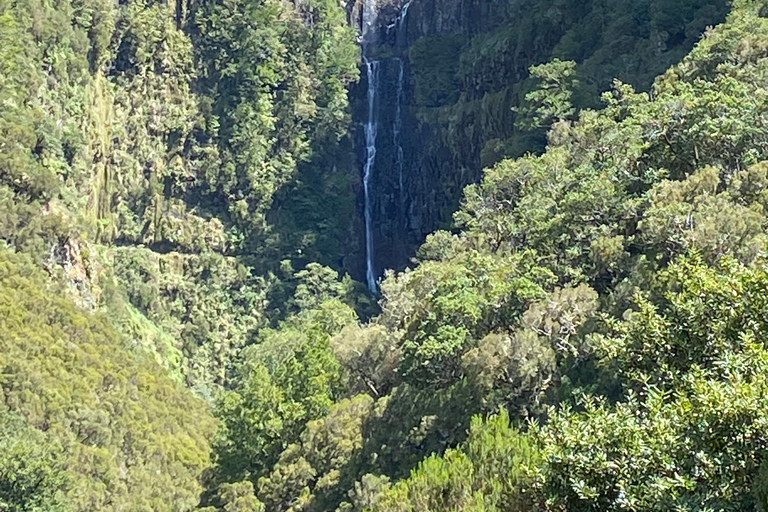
87,422
459,71
180,195
144,144
600,312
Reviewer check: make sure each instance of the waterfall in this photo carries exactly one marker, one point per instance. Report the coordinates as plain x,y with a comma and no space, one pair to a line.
371,129
370,16
370,13
403,15
371,126
398,126
401,36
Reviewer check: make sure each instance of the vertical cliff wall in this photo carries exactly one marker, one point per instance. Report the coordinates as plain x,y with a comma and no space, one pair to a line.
451,72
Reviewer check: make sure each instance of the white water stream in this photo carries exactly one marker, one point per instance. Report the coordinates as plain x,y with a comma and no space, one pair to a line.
370,14
398,126
373,68
371,129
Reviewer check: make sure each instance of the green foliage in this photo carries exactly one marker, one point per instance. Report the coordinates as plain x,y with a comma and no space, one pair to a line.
309,287
550,101
139,131
560,207
590,338
659,453
471,73
492,471
369,357
208,303
517,369
693,434
366,494
607,296
287,379
694,215
695,443
237,497
582,206
131,437
32,474
707,314
277,84
443,307
758,486
311,473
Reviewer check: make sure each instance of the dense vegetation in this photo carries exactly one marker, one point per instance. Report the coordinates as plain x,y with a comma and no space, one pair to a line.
87,422
469,86
591,335
604,303
143,147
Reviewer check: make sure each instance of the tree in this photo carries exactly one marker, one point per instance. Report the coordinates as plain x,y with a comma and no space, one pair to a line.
33,475
442,308
287,379
123,433
550,101
314,473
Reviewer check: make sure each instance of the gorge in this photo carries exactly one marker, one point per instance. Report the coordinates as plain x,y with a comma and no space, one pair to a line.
201,202
441,82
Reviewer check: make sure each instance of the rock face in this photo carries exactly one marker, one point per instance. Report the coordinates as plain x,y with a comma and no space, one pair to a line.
417,178
450,74
403,206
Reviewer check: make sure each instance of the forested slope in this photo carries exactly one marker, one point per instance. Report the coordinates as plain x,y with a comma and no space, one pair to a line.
141,147
589,335
88,423
143,144
604,302
466,65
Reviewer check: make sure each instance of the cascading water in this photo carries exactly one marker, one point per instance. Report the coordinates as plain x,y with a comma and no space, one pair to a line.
370,13
371,129
401,37
398,125
403,15
371,125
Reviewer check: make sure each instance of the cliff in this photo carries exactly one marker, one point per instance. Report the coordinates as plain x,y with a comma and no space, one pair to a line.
453,71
